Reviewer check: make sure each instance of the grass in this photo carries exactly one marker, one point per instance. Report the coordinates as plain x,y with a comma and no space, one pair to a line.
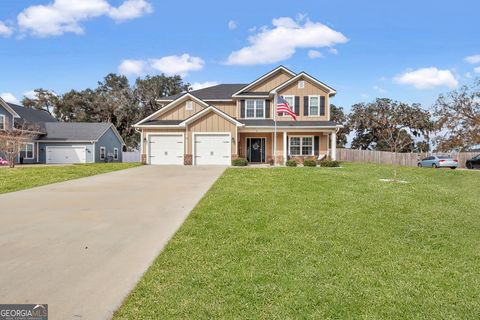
324,243
28,177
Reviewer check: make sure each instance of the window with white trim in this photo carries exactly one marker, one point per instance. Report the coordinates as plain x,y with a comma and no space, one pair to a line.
291,102
102,153
28,151
314,105
254,108
301,84
115,153
189,105
2,122
301,146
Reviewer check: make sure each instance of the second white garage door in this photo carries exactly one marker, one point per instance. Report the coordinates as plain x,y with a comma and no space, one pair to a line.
166,149
212,149
66,154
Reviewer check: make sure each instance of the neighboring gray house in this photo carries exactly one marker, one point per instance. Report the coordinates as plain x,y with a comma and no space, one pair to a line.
63,142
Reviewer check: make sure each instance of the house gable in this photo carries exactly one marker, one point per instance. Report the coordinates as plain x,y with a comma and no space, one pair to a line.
172,105
180,112
267,82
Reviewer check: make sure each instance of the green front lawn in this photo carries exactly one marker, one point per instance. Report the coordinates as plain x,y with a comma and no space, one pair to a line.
322,243
28,177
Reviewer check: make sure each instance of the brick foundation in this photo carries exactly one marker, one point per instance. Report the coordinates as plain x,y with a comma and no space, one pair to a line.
188,160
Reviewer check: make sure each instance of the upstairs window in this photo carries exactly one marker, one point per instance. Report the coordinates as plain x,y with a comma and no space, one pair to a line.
254,108
2,122
313,104
189,105
301,84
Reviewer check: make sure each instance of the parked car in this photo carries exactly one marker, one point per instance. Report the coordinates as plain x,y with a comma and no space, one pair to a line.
439,162
3,162
473,163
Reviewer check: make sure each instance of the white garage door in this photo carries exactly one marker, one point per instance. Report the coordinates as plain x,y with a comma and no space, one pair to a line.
66,154
166,149
212,149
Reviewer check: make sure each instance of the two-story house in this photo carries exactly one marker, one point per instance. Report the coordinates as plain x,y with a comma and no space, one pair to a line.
217,124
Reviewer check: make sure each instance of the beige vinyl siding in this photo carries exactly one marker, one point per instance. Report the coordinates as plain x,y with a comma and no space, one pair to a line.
211,122
180,112
229,107
271,82
310,89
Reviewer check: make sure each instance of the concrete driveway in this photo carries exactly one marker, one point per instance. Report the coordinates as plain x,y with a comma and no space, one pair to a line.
82,245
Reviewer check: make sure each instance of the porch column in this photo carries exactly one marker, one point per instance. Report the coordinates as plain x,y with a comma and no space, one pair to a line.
333,146
284,146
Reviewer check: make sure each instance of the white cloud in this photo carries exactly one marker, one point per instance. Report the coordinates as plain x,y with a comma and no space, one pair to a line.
476,70
473,59
427,78
201,85
252,29
379,89
468,75
364,96
181,65
232,25
333,51
132,67
271,45
130,9
5,31
313,54
30,94
9,97
62,16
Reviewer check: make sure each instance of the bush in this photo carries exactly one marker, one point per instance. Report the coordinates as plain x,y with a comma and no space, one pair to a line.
239,162
291,163
330,163
271,162
309,163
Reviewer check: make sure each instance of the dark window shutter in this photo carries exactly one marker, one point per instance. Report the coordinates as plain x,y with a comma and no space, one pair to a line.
242,108
316,145
297,105
267,108
305,106
322,105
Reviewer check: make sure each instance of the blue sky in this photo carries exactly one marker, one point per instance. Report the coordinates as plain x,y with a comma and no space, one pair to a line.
407,50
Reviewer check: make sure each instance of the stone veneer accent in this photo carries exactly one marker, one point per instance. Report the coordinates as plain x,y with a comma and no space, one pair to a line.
188,159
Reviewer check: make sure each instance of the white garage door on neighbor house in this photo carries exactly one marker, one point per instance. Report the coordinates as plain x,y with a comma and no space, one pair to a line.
166,149
212,149
67,154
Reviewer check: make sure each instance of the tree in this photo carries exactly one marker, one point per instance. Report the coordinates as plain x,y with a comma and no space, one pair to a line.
12,141
44,100
151,88
457,116
389,125
337,115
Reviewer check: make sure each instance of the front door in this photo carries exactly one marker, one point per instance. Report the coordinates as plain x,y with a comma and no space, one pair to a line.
256,150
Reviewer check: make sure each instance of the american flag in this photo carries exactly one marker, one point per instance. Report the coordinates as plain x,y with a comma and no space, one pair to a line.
284,107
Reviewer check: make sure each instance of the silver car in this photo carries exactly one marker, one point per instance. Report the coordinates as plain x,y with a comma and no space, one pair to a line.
439,162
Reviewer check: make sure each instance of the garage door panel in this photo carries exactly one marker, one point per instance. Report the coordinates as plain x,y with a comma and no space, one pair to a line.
66,154
166,149
212,149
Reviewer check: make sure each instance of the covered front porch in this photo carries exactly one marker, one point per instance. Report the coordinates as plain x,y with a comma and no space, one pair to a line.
259,146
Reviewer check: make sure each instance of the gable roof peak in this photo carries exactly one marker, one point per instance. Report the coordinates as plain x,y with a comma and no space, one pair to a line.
265,76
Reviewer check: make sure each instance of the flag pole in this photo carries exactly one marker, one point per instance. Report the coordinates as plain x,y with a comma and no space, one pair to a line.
275,128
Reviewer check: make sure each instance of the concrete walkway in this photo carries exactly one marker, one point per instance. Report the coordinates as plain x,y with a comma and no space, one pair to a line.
80,246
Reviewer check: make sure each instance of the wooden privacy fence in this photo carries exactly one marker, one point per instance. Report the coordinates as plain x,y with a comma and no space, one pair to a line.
403,159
